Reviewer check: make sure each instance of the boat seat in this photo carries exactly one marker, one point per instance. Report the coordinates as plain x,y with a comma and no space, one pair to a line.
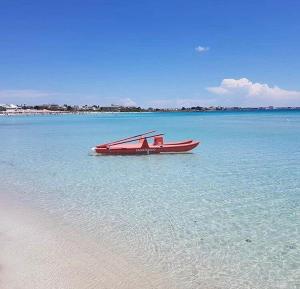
158,140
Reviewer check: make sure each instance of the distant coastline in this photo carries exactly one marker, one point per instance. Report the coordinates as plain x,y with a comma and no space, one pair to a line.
54,109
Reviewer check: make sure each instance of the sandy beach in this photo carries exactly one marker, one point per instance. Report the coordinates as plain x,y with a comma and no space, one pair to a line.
36,252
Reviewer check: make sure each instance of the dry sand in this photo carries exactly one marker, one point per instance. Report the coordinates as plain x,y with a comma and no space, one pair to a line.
37,252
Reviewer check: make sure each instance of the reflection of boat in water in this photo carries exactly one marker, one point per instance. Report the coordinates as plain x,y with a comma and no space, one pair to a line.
142,146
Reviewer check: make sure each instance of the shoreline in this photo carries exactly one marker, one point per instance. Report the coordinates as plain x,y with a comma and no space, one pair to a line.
41,113
38,252
49,112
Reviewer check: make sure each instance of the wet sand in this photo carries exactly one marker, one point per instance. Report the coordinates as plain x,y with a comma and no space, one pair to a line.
38,252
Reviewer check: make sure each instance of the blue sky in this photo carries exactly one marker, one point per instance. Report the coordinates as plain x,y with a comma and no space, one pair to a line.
150,53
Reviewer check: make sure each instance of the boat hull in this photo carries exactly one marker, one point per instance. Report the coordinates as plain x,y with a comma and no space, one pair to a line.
179,147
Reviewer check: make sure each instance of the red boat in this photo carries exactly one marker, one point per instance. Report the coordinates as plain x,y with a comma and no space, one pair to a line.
142,146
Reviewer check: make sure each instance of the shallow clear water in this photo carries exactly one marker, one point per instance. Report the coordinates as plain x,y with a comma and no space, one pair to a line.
225,216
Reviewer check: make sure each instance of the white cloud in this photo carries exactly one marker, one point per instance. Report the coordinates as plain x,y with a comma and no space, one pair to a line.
126,102
24,94
255,93
32,96
201,49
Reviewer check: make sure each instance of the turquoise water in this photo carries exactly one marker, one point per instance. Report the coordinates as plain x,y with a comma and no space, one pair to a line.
225,216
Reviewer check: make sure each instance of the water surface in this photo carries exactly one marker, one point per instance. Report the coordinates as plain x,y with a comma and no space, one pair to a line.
225,216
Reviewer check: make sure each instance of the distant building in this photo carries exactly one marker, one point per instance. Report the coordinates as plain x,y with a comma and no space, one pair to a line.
9,106
111,108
